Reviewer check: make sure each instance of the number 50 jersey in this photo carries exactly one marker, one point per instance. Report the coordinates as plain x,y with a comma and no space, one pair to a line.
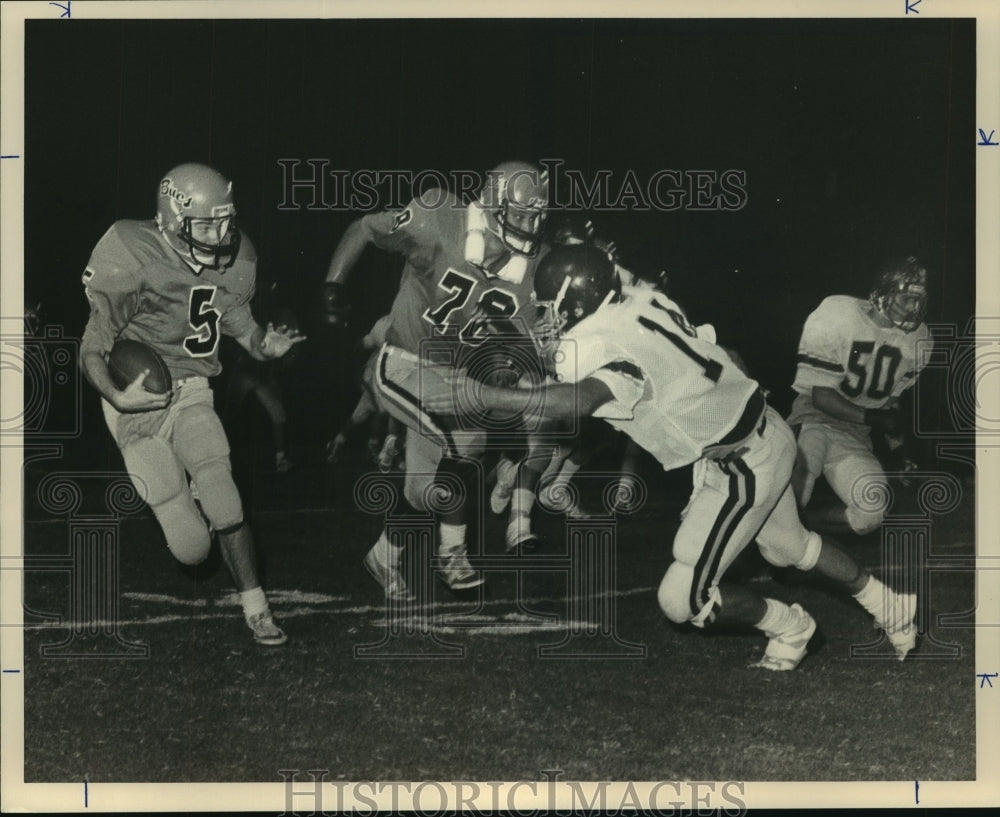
844,349
139,288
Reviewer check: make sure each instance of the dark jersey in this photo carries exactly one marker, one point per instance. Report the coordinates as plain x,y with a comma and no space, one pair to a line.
442,297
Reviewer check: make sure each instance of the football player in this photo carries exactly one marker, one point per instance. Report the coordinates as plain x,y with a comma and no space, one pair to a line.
856,358
637,362
177,284
465,265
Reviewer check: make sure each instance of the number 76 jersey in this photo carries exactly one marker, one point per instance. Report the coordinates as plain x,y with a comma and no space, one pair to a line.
844,349
139,288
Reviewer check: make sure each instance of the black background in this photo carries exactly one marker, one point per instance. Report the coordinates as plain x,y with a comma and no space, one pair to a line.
856,137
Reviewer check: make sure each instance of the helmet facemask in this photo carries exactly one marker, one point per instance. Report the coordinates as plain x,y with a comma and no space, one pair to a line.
520,227
219,254
900,295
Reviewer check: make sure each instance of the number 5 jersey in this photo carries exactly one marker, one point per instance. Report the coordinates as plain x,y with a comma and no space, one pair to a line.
843,348
139,288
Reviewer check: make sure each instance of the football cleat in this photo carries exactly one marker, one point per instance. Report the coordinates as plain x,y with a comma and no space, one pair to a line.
504,488
898,622
456,571
282,465
785,651
390,577
265,631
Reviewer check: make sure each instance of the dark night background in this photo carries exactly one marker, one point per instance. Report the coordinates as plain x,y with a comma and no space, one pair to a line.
856,137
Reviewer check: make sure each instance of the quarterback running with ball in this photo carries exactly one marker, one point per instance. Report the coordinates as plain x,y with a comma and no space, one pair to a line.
177,284
637,362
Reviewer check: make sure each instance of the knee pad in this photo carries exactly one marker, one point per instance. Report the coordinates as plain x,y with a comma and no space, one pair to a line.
863,522
803,556
159,478
219,498
675,591
184,528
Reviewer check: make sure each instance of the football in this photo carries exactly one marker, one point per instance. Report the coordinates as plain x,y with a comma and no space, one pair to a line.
130,358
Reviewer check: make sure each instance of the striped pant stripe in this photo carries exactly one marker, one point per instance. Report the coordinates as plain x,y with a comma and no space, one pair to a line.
409,406
742,493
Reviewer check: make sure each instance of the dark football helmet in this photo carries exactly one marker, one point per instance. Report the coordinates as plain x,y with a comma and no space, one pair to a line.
900,293
515,198
196,214
571,283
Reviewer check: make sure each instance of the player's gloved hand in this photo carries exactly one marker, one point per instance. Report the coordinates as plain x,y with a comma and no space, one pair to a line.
134,397
886,420
277,341
336,310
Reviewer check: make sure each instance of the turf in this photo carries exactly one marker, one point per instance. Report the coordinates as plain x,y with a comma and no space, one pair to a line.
209,705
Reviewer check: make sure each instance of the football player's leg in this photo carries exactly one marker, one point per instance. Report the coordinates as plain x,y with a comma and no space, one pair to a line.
812,442
384,558
269,396
159,477
785,542
202,447
714,531
519,536
728,509
857,478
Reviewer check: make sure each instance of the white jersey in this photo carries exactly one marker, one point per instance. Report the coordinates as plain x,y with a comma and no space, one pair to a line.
675,392
844,349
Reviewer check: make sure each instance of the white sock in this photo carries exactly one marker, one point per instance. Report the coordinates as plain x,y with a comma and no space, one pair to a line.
518,529
778,619
871,596
452,536
254,602
521,502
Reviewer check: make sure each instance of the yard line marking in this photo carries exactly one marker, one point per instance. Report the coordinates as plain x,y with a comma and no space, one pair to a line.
304,610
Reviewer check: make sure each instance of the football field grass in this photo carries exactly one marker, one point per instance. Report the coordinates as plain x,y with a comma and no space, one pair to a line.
475,689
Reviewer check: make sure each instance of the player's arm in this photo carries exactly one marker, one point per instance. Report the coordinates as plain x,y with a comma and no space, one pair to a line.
353,243
112,290
831,401
133,398
557,401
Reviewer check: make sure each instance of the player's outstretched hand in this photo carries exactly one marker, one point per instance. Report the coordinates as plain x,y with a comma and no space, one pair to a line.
135,398
278,340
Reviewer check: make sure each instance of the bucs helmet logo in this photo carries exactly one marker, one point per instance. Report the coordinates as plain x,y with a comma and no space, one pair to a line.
180,198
